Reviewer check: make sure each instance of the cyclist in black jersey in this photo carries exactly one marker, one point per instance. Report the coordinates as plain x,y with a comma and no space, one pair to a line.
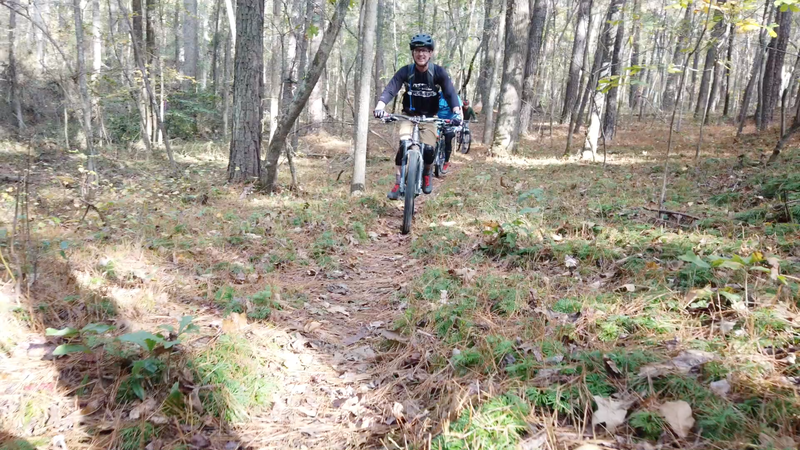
422,80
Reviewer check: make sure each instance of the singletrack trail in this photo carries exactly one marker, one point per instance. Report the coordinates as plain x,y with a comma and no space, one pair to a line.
349,379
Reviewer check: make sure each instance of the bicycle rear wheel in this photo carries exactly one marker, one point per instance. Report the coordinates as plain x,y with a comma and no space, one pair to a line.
412,174
438,159
465,141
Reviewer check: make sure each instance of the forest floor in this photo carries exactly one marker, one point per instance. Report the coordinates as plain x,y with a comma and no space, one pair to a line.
538,303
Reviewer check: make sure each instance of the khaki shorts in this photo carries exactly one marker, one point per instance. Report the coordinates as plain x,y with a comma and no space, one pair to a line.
427,132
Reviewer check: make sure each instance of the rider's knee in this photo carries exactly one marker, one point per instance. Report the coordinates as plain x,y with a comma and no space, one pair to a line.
401,150
427,154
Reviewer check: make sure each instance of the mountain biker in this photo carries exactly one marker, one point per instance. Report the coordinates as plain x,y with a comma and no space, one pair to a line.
422,80
469,113
449,133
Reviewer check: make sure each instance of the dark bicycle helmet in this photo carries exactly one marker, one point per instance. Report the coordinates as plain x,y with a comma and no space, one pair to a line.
421,40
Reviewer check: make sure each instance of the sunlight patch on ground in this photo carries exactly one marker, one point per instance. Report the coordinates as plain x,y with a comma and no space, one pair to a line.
523,162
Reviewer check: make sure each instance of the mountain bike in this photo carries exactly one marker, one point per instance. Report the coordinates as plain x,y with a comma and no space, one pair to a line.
411,170
464,138
439,155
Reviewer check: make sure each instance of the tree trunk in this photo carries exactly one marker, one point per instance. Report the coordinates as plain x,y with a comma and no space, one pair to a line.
379,49
487,68
728,66
289,68
773,72
11,71
90,184
150,31
361,129
703,98
226,88
215,38
316,104
137,14
536,29
597,98
245,150
97,40
678,60
176,26
190,40
576,64
275,70
755,70
506,133
491,85
270,172
635,91
610,120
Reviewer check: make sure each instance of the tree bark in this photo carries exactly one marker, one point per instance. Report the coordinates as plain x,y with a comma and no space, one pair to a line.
773,72
597,98
728,70
379,49
190,40
703,98
576,64
316,104
487,68
90,184
11,71
97,40
678,60
610,119
755,70
275,70
635,90
137,14
270,172
536,30
245,150
507,128
491,85
361,129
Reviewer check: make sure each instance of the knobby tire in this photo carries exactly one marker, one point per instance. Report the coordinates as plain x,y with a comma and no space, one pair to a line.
412,174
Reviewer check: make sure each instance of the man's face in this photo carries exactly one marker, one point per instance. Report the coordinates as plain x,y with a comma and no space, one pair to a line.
421,56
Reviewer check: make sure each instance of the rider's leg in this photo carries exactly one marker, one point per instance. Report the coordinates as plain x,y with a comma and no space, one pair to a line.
428,137
394,194
448,145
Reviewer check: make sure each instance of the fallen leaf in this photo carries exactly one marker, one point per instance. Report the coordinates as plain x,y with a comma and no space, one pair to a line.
200,441
392,336
612,367
92,407
774,268
610,412
533,443
350,340
726,327
158,419
590,447
397,411
466,274
312,326
679,417
339,309
156,444
235,322
143,409
721,387
627,287
776,442
194,401
683,363
570,262
364,353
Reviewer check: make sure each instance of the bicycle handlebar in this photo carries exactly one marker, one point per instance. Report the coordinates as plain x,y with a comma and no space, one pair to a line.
415,119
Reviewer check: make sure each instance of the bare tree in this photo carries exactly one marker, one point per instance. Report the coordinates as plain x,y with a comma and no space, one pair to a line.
190,38
678,60
90,183
270,173
487,68
496,60
361,130
610,119
703,98
635,88
756,68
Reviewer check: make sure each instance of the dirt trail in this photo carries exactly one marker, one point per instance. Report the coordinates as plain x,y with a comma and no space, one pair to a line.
346,374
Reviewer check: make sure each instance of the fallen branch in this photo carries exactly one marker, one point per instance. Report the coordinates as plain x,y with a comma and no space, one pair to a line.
672,213
92,207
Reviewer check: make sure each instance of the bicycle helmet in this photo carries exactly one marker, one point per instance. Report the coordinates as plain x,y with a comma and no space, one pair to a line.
422,40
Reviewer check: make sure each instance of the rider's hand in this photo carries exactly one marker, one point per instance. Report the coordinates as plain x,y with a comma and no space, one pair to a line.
456,120
379,113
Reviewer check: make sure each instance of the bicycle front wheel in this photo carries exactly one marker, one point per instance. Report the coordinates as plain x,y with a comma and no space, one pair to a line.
412,175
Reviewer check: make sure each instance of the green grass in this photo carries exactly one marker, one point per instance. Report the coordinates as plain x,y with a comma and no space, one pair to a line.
243,384
497,424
